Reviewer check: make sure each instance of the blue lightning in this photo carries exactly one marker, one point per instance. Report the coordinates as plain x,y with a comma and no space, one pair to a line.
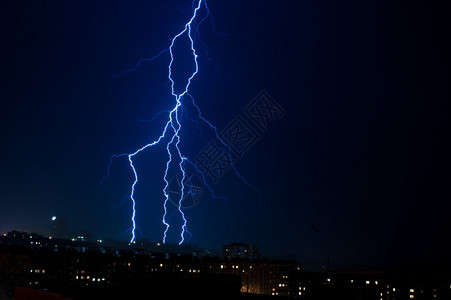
171,131
174,123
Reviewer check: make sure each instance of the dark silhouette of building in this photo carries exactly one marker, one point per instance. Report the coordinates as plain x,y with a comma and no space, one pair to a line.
239,250
58,227
83,270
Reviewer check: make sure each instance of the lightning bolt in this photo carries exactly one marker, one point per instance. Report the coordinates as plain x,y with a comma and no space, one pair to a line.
171,130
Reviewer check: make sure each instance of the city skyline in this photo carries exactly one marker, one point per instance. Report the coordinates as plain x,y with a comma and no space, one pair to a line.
32,264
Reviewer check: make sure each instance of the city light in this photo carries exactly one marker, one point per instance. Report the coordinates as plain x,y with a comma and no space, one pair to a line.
266,277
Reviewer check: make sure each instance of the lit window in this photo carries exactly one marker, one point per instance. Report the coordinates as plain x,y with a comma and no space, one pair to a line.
367,282
411,296
352,280
394,290
328,279
222,266
412,290
376,283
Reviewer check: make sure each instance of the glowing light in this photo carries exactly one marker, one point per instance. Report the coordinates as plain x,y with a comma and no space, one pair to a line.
173,126
170,134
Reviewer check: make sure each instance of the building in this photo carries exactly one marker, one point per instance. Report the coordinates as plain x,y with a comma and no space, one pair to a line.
239,251
58,227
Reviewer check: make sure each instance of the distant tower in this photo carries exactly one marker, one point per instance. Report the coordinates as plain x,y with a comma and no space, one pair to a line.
58,227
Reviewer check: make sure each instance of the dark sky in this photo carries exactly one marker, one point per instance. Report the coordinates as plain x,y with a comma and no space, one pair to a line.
357,168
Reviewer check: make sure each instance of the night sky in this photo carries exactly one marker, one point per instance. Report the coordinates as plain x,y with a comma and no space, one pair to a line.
356,169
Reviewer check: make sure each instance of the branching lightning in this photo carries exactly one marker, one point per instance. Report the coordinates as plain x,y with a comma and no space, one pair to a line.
171,130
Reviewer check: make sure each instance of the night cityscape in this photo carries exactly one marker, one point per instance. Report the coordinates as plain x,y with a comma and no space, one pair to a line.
35,266
253,149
